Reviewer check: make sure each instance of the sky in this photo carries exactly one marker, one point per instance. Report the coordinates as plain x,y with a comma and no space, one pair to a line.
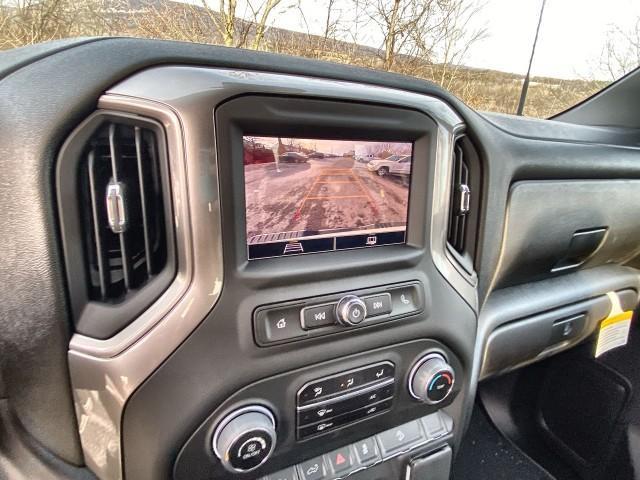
572,34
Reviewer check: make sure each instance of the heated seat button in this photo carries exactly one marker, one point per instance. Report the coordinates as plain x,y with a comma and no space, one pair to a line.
400,438
319,316
378,305
279,325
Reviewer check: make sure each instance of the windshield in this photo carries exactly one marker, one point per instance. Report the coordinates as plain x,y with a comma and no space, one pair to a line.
532,57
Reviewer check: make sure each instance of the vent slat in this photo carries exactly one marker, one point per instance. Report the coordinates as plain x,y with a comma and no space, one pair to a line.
143,201
115,166
113,151
101,257
121,179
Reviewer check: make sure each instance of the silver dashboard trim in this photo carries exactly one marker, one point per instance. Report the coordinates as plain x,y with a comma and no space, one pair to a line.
105,373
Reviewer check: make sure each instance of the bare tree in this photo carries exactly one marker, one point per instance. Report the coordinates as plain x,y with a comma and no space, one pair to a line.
621,53
25,22
202,23
330,23
341,38
397,20
175,21
454,37
260,18
233,31
227,24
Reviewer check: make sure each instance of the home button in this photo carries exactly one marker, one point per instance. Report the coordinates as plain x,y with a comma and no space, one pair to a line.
280,324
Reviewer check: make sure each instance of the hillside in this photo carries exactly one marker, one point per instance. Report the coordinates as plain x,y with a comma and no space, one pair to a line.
164,19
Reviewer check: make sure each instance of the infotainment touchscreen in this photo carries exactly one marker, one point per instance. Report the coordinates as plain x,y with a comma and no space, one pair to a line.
316,195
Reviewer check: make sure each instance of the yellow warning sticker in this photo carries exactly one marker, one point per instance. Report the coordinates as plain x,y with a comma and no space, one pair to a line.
614,330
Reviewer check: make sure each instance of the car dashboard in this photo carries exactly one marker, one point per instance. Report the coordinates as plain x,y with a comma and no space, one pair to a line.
198,350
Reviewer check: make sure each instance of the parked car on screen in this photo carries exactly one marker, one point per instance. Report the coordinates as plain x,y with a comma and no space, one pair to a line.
399,165
294,157
365,158
316,155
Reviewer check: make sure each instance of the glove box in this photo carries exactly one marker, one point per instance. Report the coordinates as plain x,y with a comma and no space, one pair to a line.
526,340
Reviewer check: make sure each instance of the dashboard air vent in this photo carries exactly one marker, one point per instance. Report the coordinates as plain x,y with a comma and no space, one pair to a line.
460,199
124,228
115,203
463,210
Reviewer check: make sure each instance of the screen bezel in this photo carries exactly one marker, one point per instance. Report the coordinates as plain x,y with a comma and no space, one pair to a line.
321,118
348,233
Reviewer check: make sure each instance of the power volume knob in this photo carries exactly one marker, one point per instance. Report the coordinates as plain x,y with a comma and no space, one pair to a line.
245,439
351,310
431,379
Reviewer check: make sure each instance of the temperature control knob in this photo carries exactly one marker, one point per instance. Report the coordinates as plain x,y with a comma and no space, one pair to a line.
431,379
245,439
350,310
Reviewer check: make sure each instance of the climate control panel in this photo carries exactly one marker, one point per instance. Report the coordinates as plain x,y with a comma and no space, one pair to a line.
300,319
333,402
293,417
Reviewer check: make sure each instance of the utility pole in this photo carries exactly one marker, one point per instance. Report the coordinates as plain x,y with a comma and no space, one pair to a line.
525,85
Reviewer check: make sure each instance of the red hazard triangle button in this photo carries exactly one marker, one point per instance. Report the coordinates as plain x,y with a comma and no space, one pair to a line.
340,460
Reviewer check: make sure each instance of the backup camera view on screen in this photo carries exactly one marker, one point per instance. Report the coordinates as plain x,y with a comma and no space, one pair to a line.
312,195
